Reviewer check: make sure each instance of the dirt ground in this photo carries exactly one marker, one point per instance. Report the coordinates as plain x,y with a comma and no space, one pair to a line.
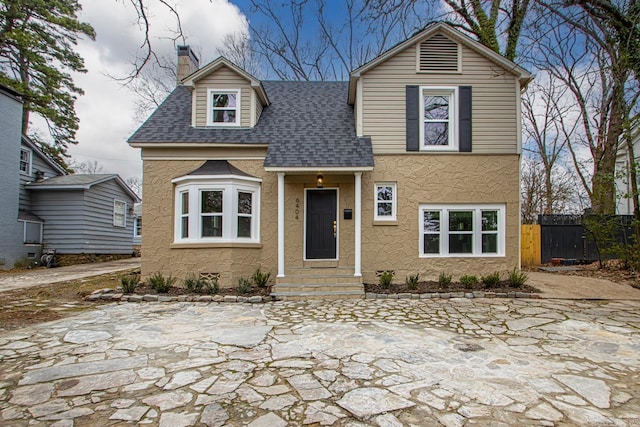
23,307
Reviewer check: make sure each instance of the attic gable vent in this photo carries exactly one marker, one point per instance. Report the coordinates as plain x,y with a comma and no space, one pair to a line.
438,54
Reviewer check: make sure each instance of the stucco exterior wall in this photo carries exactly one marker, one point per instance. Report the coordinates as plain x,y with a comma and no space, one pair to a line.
442,179
159,254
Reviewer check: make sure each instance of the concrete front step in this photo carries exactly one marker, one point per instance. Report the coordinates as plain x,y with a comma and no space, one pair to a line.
315,280
338,287
355,294
339,271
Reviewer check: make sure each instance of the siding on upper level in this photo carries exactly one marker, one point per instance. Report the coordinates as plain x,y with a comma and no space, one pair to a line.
37,164
222,78
495,99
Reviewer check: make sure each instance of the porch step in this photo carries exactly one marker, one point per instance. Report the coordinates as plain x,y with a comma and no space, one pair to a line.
292,296
318,283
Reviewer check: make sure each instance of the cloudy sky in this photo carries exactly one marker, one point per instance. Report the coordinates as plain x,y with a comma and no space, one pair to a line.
107,110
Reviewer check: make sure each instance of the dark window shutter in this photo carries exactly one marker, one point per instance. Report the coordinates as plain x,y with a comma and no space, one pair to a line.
413,119
464,109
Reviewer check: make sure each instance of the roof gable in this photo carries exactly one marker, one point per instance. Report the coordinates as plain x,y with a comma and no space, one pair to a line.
192,79
447,30
81,182
48,160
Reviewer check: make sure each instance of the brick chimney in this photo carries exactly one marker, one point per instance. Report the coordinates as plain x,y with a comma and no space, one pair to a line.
188,62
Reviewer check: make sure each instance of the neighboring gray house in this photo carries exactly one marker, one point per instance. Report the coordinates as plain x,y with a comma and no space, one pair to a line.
89,214
42,206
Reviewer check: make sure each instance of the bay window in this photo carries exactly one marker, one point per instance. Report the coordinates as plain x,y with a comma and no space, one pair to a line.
217,210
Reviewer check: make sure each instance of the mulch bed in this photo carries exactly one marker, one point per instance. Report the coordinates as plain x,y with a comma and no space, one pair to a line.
433,287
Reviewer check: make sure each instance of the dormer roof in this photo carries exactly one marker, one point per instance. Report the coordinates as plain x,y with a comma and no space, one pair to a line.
191,80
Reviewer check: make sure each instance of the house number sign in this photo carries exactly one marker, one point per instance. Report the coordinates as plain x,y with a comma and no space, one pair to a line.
297,207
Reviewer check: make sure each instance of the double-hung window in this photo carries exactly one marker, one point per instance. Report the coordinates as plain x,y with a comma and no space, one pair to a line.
119,213
462,231
224,107
438,112
217,210
25,161
385,201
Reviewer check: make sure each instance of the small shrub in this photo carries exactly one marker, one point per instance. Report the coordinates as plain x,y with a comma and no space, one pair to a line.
517,278
129,282
261,279
386,278
468,281
412,281
444,280
491,280
244,286
211,286
160,283
194,284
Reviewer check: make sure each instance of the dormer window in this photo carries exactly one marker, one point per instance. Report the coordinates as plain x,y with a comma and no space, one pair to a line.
224,107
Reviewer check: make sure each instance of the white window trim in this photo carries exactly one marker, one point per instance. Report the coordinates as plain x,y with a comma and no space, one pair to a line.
452,92
230,188
477,229
394,201
136,221
124,213
238,108
29,163
24,232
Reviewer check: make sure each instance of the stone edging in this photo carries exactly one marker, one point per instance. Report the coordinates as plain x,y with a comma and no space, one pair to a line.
117,295
448,295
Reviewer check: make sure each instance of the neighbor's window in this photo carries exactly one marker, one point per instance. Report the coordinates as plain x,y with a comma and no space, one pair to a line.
119,213
137,226
25,161
385,199
32,233
438,112
224,107
218,211
471,230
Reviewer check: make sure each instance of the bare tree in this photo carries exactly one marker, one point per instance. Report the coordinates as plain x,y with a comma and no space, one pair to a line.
545,106
135,184
88,167
492,22
585,55
535,192
320,40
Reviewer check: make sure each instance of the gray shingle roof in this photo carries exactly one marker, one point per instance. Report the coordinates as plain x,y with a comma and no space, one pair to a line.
218,167
308,124
73,180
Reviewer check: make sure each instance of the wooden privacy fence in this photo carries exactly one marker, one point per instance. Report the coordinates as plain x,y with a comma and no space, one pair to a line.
565,236
530,245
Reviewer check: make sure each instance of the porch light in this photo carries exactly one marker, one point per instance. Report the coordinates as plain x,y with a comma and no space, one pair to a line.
319,181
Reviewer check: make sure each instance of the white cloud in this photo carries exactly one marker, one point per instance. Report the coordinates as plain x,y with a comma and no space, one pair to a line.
106,111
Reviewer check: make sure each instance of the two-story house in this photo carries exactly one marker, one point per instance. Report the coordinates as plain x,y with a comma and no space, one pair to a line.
43,206
413,166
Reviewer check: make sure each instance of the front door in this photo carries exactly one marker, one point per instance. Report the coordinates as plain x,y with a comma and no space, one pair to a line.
322,227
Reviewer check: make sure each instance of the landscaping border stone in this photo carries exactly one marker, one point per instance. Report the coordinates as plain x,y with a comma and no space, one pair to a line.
111,295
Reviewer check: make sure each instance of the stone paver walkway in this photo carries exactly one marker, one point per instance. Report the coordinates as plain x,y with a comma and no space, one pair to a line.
348,363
